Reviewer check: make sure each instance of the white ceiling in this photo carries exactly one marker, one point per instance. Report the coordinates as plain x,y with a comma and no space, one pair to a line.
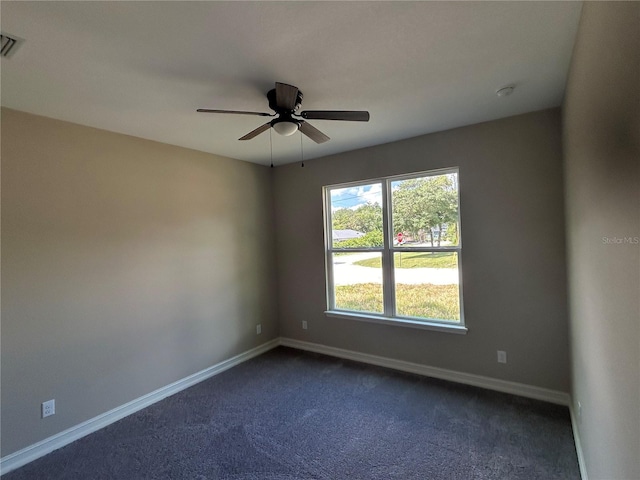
142,68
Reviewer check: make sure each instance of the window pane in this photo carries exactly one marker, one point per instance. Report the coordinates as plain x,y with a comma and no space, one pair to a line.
425,211
356,216
357,279
426,285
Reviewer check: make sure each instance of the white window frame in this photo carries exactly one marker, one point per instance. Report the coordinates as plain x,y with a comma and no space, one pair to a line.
387,252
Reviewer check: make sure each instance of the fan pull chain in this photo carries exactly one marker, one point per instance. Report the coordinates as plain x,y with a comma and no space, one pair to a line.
301,151
271,147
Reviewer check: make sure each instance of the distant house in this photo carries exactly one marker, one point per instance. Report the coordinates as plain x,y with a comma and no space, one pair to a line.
339,235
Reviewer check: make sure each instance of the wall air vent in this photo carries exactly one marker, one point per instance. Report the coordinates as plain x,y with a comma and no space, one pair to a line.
9,44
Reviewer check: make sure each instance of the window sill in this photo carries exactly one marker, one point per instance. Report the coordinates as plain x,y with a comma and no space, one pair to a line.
401,322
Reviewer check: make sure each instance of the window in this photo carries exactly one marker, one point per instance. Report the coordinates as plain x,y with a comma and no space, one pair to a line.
393,250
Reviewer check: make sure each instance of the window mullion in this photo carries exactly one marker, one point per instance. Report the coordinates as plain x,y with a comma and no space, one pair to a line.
387,255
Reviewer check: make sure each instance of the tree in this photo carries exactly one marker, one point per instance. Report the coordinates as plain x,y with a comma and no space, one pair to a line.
409,213
422,206
342,219
366,218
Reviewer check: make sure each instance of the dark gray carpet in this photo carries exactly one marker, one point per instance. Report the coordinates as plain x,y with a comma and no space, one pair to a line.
293,415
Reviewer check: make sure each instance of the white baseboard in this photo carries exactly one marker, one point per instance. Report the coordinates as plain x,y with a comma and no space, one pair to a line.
576,440
537,393
39,449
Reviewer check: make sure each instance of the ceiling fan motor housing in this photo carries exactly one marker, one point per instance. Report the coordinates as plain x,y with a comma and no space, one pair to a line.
273,105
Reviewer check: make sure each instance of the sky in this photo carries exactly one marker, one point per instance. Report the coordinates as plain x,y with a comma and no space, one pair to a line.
354,197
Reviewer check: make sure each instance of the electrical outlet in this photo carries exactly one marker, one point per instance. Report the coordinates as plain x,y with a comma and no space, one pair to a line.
502,356
258,329
304,324
48,408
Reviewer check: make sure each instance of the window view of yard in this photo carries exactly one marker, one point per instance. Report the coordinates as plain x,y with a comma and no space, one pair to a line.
426,284
423,256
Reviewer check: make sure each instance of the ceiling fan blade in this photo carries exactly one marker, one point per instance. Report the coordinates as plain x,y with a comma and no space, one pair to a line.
256,132
347,115
313,133
237,112
286,96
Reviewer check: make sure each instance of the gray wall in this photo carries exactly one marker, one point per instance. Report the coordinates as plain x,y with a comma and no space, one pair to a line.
602,155
126,265
514,277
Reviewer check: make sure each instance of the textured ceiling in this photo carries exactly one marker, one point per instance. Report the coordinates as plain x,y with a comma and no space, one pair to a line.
142,68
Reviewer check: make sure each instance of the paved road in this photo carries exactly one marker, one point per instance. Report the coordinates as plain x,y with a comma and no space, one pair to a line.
345,273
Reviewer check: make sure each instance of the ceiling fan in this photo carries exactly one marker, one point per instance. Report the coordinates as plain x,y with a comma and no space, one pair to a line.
285,100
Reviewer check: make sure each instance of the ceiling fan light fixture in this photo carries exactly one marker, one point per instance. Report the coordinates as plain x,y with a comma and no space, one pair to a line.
286,127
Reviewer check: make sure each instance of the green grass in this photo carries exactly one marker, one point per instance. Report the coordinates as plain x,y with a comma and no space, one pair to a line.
363,297
416,260
424,301
428,301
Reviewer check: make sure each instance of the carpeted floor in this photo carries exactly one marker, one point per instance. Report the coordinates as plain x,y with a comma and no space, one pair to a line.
292,415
